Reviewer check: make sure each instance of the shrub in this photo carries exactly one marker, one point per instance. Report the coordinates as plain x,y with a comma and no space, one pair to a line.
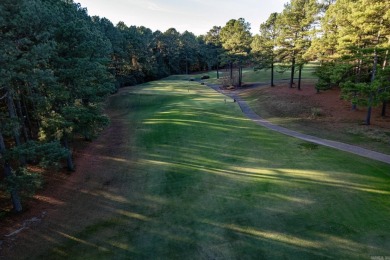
316,112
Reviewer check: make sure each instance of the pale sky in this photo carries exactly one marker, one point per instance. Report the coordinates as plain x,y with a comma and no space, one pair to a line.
196,16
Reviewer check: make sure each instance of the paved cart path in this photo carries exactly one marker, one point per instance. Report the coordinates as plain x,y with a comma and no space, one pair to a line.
313,139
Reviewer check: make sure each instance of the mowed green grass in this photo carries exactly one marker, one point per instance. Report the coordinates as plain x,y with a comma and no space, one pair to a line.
200,181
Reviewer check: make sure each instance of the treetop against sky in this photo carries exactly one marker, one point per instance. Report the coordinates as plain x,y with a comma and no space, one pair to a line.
196,16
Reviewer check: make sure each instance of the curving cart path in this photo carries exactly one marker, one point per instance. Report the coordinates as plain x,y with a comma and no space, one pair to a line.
325,142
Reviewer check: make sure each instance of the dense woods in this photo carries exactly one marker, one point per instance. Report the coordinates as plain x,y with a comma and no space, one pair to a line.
58,65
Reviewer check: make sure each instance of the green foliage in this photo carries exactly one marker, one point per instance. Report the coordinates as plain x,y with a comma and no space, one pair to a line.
86,120
331,74
23,181
353,41
383,85
295,23
53,57
263,45
236,39
46,154
8,125
363,93
188,50
211,47
295,28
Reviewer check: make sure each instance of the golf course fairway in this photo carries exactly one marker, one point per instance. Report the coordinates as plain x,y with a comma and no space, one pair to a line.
182,174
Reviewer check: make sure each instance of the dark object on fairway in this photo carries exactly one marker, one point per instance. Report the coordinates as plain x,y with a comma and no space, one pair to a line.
191,79
205,77
308,146
202,83
234,100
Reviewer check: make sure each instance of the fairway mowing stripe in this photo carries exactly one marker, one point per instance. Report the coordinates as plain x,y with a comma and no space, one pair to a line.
82,241
133,215
280,237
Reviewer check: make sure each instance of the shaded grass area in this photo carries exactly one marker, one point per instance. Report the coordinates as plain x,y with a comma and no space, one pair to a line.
199,180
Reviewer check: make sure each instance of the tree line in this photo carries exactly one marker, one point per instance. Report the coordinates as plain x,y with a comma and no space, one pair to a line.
349,39
58,65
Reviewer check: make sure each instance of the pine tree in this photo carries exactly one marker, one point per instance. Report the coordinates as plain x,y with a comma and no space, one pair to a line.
189,48
214,47
363,39
295,23
263,46
236,40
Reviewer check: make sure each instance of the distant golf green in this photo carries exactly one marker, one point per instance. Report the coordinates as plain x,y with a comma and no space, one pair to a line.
201,181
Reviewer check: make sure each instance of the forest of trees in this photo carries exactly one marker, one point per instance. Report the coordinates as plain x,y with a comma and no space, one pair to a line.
58,65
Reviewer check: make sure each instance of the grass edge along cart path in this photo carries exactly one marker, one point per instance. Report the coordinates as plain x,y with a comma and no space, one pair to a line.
183,174
246,109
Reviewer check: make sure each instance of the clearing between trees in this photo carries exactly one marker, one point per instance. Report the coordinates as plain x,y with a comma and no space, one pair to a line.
181,173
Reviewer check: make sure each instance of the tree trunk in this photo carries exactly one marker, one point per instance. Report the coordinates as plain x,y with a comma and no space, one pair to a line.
385,60
12,115
69,159
16,203
300,77
354,106
15,198
272,73
359,71
368,117
28,121
217,70
292,72
384,106
87,136
231,70
239,76
23,121
369,109
2,145
186,64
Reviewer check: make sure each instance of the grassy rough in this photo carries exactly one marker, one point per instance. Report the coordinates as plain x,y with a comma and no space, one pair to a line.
202,181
